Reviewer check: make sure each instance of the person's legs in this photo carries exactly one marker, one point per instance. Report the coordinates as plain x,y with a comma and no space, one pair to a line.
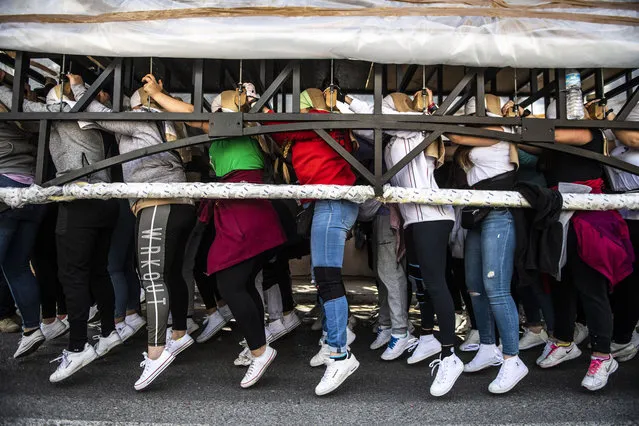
459,275
414,273
45,264
625,296
498,247
473,258
7,305
206,284
430,241
391,275
331,222
101,285
119,258
453,283
237,286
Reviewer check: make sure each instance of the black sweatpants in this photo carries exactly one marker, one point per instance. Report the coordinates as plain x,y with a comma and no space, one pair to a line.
428,242
162,233
625,296
83,238
45,265
580,280
237,286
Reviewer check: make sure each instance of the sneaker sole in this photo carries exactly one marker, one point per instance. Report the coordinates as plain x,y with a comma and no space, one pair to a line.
154,375
596,388
30,349
337,385
625,355
277,336
414,360
255,379
444,392
483,367
576,353
375,347
316,364
202,338
84,364
509,388
394,356
297,324
183,347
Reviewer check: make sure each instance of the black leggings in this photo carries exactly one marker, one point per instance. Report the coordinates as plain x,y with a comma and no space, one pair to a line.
44,262
237,286
428,242
206,284
163,232
580,279
625,296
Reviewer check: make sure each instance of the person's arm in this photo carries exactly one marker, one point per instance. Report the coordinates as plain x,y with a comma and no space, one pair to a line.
361,107
628,137
577,137
6,96
473,140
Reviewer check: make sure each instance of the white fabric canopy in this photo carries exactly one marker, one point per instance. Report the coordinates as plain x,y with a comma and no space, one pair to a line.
457,40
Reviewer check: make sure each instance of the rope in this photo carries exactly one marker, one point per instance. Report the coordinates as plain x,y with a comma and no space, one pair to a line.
297,11
19,197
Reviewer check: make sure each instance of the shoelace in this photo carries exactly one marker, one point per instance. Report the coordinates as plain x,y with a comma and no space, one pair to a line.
434,365
145,362
412,344
595,365
62,359
393,342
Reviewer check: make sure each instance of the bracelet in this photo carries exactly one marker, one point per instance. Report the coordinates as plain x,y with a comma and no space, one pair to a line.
432,108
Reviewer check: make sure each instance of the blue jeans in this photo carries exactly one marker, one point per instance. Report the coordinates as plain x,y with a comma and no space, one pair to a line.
126,284
332,220
489,258
18,230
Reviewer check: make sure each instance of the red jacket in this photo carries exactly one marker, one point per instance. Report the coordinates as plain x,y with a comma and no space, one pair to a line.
314,161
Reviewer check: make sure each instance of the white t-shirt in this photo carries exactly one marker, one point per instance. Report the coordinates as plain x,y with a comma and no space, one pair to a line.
489,161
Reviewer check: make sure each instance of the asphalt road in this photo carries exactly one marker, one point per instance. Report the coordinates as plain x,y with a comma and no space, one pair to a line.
202,387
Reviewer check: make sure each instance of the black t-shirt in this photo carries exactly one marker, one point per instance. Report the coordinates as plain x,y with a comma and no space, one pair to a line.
562,167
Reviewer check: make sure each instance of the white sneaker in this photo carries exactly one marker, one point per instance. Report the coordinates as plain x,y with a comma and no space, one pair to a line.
322,356
623,353
153,368
428,346
277,329
65,321
226,312
291,321
258,367
545,352
244,359
511,372
124,330
471,341
450,368
105,344
530,340
581,332
29,344
191,326
72,362
397,346
336,372
487,356
212,325
598,373
54,330
559,354
382,339
352,322
175,347
135,321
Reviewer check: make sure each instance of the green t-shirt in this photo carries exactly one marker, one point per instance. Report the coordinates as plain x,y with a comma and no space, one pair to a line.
229,155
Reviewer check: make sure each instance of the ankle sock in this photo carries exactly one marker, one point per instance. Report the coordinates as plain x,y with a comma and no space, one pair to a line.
564,345
340,357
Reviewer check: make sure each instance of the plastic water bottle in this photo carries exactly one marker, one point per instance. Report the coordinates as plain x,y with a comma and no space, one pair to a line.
574,97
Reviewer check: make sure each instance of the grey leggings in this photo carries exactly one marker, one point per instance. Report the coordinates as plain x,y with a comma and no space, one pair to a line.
162,235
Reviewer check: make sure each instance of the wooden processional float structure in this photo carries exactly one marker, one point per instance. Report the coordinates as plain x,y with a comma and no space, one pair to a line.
514,49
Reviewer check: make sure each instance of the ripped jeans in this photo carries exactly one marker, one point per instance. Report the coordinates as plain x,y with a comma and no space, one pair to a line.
489,258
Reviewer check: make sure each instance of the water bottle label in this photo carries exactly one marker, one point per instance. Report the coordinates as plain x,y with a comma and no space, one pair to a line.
573,79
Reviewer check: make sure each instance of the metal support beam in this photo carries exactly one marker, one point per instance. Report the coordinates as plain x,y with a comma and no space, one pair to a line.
378,88
118,89
626,87
198,83
560,90
480,87
599,83
93,90
546,95
297,81
440,84
628,107
42,151
273,88
19,79
407,78
346,155
456,91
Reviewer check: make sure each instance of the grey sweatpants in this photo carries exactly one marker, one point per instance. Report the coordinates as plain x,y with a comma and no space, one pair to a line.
393,297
